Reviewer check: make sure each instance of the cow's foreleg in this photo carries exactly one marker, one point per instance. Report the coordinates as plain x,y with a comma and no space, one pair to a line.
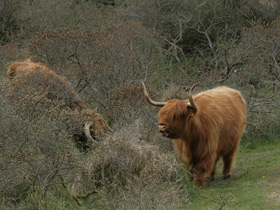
198,174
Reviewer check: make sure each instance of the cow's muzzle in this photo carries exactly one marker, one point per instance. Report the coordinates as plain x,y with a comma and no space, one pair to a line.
163,129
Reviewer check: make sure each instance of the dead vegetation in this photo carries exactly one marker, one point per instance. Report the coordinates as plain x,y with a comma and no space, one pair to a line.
105,48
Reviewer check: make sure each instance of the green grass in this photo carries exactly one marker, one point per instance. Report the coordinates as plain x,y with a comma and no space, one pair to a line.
255,182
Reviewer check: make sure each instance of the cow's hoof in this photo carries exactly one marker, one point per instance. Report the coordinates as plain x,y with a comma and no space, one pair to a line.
226,177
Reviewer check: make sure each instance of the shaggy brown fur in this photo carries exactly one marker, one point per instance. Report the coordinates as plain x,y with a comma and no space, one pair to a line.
203,135
28,74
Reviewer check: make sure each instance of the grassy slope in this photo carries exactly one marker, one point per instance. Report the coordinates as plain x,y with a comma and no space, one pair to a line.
255,183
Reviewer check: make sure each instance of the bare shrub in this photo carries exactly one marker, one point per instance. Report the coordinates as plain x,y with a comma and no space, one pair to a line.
258,71
8,20
36,147
105,48
197,27
14,172
128,106
264,10
187,26
146,195
102,60
131,167
37,137
60,14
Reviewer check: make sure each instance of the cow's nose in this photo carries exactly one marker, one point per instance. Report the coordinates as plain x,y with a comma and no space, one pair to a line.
161,128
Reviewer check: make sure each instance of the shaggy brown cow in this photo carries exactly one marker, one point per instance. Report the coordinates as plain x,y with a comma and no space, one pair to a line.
204,128
28,74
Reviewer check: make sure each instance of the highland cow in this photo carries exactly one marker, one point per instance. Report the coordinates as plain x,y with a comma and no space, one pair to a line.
204,128
29,75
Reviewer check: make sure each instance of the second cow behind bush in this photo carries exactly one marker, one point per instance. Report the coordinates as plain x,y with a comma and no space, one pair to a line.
29,75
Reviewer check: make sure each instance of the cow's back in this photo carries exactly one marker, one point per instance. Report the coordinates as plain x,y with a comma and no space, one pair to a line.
28,74
226,111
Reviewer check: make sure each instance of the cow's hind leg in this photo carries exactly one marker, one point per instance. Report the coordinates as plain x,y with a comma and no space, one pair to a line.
228,163
213,172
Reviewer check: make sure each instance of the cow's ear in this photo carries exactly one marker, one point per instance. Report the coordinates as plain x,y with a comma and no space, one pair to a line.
192,110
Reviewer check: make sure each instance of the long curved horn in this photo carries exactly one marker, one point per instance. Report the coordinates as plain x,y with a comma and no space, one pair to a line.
192,104
150,101
87,132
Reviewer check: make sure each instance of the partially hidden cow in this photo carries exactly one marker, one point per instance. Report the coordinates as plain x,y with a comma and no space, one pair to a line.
28,75
204,128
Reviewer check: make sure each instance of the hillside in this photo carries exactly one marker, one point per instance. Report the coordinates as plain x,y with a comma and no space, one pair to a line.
101,50
254,185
